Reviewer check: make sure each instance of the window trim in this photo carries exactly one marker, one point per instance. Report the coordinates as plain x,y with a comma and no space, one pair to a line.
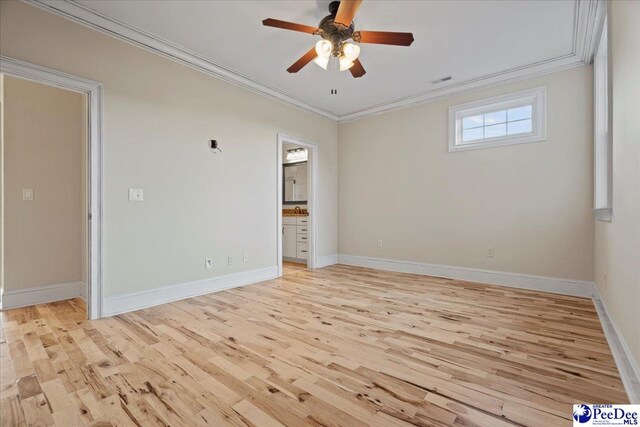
602,130
538,98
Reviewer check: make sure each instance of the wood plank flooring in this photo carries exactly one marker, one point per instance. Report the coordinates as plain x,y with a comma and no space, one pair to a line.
338,346
292,267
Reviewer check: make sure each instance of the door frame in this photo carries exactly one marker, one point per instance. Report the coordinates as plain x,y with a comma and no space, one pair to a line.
312,199
94,91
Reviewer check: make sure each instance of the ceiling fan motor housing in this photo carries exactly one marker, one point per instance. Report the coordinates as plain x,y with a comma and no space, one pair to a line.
336,33
335,29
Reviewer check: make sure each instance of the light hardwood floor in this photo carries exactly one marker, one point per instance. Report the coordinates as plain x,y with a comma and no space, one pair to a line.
337,346
292,267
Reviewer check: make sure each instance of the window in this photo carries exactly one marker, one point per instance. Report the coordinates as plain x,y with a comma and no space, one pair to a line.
602,130
504,120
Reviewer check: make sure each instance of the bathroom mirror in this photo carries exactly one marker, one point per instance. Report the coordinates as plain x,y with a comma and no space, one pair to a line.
295,183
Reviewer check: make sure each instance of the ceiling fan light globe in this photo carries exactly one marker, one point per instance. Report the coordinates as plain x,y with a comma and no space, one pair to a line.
324,48
345,63
322,61
351,51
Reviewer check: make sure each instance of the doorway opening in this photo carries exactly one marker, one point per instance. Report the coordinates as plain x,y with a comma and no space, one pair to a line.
44,188
51,207
297,205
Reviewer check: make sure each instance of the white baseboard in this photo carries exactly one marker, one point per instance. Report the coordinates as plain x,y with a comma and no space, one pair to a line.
514,280
627,367
83,292
41,294
327,260
124,303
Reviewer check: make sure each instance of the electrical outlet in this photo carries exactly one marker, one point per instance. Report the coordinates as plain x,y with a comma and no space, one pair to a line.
136,194
230,260
27,194
208,263
379,243
490,252
245,257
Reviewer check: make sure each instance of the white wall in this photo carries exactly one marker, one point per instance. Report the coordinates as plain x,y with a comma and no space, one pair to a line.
531,203
43,145
618,243
398,183
158,117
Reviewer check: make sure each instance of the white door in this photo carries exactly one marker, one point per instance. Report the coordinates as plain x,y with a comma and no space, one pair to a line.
289,241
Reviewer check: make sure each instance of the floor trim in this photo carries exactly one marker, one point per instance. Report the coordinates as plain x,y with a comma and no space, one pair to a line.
295,260
124,303
627,367
41,294
327,260
514,280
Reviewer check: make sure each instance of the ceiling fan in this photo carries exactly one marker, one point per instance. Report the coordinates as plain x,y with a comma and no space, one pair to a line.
335,29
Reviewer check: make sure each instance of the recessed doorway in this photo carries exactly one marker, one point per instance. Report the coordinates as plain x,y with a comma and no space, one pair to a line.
296,205
89,180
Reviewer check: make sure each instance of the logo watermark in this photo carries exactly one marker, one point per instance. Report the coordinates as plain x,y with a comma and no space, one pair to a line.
606,415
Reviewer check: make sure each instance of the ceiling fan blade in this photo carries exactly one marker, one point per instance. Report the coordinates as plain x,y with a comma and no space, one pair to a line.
383,37
304,60
270,22
357,70
346,11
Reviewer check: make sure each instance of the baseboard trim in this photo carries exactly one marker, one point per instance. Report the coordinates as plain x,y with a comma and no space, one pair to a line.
41,294
83,293
628,368
502,278
124,303
327,260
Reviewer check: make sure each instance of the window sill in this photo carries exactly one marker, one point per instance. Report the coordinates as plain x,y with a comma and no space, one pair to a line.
602,214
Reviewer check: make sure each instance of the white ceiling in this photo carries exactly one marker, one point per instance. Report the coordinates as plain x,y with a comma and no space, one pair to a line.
473,41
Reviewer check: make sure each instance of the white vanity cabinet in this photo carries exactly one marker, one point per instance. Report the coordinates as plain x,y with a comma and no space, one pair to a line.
289,239
295,236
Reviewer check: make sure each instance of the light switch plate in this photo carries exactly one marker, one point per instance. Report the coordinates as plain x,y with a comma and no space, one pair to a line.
136,194
27,194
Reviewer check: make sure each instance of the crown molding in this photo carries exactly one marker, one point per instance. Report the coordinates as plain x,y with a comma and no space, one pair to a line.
589,17
80,14
485,82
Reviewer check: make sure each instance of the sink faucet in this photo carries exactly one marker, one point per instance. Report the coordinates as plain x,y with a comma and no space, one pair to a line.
297,209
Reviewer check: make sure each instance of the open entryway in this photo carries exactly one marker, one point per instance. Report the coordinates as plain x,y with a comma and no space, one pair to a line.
296,206
51,188
45,208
